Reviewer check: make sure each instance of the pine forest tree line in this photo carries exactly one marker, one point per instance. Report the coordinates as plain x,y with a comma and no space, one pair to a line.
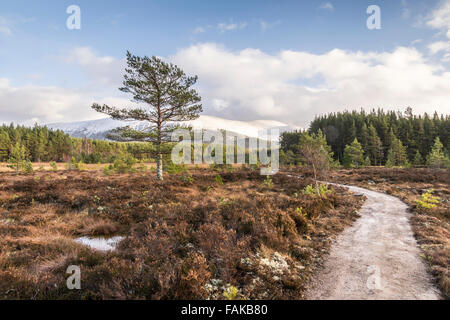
41,144
380,132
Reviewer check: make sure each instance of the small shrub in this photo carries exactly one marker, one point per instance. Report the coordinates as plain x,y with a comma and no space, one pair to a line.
186,177
427,200
122,164
108,170
309,190
221,167
218,179
230,293
27,166
268,182
53,166
254,167
300,211
173,168
141,166
73,164
320,191
225,201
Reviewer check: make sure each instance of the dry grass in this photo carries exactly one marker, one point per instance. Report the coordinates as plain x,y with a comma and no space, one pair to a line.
183,240
45,166
431,226
62,166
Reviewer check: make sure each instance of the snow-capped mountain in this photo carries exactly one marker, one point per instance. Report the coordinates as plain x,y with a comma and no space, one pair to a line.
98,129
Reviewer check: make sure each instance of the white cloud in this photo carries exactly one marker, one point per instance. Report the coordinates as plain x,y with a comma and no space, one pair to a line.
327,6
223,27
7,24
100,69
44,104
219,105
268,25
293,86
406,12
440,18
439,46
5,31
198,30
4,27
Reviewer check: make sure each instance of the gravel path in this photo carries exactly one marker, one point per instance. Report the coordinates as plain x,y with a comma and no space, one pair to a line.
377,258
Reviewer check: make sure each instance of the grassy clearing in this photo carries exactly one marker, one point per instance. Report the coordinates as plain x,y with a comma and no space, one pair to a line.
431,223
186,238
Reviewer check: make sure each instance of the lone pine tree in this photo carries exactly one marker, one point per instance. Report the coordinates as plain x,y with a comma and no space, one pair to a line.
167,97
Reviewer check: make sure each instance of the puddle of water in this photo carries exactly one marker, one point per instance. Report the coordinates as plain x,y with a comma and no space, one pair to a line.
101,244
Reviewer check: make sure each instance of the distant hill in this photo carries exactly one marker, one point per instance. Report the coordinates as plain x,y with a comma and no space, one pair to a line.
98,129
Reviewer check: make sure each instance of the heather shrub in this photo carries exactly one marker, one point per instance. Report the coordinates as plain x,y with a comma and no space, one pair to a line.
186,177
231,293
218,179
27,166
73,164
172,168
180,241
141,166
53,166
321,190
221,167
123,164
268,182
427,200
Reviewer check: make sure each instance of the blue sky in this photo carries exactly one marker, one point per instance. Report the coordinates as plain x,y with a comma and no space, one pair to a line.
38,51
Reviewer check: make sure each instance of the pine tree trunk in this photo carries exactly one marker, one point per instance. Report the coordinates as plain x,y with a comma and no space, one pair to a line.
159,167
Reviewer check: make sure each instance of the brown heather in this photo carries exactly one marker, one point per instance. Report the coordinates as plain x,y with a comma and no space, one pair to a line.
183,240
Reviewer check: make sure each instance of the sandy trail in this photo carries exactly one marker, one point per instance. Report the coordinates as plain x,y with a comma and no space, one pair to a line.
377,258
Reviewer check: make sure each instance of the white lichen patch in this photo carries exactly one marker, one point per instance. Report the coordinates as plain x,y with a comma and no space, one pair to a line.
277,263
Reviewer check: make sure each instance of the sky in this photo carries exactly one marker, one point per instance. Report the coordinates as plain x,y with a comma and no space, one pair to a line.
256,60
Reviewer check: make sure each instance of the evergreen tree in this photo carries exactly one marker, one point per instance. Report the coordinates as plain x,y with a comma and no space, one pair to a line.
166,91
354,155
17,157
364,136
366,161
397,154
378,128
316,153
418,159
437,157
5,145
374,146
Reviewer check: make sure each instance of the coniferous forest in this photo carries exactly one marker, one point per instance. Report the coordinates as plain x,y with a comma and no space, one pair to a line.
375,138
41,144
384,137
